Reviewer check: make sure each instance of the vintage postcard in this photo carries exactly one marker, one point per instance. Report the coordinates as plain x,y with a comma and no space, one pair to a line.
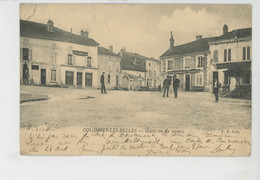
135,79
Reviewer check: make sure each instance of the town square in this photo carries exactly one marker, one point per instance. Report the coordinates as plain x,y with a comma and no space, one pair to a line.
155,80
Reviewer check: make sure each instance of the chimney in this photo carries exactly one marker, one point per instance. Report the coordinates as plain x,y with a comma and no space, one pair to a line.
225,29
50,26
70,30
198,37
171,42
111,48
84,33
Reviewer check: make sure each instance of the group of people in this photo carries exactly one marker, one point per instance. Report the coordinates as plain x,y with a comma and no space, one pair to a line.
167,83
166,86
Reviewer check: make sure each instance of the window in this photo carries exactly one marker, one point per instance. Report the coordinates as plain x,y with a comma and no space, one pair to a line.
200,62
150,73
246,53
170,65
149,64
215,56
227,55
187,63
89,61
25,54
155,83
108,78
199,79
149,82
69,59
154,73
53,75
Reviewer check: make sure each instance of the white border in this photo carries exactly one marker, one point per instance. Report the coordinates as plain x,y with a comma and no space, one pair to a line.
14,166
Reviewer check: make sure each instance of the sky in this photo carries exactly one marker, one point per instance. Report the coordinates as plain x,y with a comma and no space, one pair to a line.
141,28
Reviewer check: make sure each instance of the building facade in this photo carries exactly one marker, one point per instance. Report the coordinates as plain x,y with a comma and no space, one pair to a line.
146,69
57,57
132,73
231,57
110,63
189,62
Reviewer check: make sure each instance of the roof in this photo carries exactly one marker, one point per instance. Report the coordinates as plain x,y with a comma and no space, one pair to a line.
131,56
104,51
237,33
202,45
129,65
39,30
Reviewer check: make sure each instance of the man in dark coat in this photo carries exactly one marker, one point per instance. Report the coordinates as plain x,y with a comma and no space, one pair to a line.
102,81
215,90
175,85
25,74
166,85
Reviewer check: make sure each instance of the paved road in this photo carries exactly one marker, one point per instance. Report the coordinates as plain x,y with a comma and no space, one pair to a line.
89,108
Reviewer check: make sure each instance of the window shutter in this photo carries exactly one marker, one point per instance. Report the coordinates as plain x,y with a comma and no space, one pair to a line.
193,62
181,63
204,62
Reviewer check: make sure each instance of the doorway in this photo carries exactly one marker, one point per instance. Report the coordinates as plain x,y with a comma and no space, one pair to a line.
88,79
79,78
187,82
43,76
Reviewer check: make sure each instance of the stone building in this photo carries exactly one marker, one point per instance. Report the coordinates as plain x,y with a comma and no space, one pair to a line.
145,71
189,62
231,51
57,57
110,63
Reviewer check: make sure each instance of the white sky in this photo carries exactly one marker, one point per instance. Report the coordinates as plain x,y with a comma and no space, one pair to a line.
144,29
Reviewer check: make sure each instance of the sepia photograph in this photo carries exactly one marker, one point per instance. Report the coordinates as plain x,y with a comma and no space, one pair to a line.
135,79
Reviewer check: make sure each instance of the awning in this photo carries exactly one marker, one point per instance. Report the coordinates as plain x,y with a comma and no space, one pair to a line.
238,65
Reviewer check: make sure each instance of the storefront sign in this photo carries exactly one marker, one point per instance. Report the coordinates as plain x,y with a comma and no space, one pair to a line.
79,53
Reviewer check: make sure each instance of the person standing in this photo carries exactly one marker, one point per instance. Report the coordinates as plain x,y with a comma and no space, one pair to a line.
175,85
102,81
215,90
25,74
166,85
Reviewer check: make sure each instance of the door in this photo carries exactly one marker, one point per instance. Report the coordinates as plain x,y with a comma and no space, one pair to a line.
69,78
187,82
125,82
215,77
88,79
117,80
43,76
79,78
